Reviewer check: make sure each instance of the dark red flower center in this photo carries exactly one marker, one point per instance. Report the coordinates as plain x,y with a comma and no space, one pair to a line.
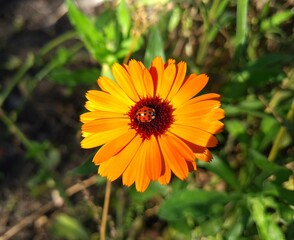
151,116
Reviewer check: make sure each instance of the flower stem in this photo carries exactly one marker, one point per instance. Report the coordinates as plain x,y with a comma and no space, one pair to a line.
105,211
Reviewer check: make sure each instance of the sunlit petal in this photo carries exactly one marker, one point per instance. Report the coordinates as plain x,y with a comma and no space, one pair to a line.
114,89
124,80
179,79
113,147
117,164
193,85
100,138
174,160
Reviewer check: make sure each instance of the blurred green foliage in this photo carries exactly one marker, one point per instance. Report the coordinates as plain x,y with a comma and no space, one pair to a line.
248,53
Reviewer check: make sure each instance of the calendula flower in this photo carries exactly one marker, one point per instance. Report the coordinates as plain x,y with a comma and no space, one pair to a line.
149,122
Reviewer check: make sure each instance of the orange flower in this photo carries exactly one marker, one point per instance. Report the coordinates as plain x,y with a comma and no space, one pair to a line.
148,123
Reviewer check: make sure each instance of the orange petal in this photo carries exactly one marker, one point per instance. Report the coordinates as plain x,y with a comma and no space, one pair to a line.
113,147
194,135
181,147
193,85
197,109
131,173
97,139
204,97
112,88
153,159
103,101
136,73
201,153
206,156
172,157
142,179
116,165
166,175
90,116
169,62
204,124
124,80
192,166
156,71
168,80
90,106
105,124
179,79
148,82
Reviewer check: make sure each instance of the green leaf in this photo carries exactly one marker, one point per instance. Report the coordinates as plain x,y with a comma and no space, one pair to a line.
86,168
269,128
267,69
223,170
68,228
236,221
153,189
92,38
234,89
276,19
235,127
61,57
174,19
73,78
267,227
124,18
211,227
282,193
232,110
196,204
269,168
154,46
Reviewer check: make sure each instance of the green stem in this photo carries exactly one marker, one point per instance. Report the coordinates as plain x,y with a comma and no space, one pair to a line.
281,135
241,31
203,43
14,129
52,65
211,26
17,78
203,47
57,41
30,61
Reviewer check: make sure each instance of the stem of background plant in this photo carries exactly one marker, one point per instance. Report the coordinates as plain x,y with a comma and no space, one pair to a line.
105,211
209,14
241,30
203,46
18,76
241,22
132,47
281,134
57,42
12,127
203,42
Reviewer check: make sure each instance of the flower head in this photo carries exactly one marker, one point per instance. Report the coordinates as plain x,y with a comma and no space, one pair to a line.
149,122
